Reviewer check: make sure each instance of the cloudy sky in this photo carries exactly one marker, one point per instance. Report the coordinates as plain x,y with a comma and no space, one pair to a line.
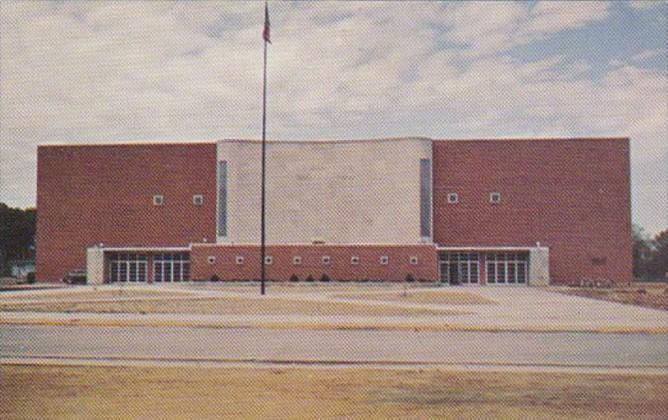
86,72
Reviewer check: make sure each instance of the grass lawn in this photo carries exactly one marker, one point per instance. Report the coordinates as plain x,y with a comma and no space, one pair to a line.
422,296
51,392
226,306
649,295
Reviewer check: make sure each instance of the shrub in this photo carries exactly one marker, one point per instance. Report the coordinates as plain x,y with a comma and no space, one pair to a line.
325,277
310,278
30,278
294,278
409,278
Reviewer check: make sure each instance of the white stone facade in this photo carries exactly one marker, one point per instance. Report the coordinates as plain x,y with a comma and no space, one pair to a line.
337,192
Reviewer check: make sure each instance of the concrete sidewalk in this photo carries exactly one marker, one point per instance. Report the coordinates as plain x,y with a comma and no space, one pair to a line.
340,347
515,309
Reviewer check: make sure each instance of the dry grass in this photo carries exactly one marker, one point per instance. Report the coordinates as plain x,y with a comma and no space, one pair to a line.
87,295
423,296
226,306
51,392
649,295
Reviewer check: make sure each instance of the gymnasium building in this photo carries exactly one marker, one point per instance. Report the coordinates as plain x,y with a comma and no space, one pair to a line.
484,212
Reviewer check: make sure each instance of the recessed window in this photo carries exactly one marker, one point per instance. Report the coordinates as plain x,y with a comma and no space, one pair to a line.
325,259
414,260
453,198
384,260
211,259
158,200
268,260
354,260
495,197
198,199
239,260
296,260
222,198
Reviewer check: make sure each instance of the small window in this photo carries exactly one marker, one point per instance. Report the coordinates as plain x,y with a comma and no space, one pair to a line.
384,260
325,259
198,199
239,260
158,200
414,260
354,260
453,198
211,259
599,260
495,197
268,260
296,260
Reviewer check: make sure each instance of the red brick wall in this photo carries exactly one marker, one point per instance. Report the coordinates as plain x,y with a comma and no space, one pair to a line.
92,194
571,195
339,268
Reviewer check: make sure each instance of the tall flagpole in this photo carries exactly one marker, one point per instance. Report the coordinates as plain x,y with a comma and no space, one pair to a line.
265,37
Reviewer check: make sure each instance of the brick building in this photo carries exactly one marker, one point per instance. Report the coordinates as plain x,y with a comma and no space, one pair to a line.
509,211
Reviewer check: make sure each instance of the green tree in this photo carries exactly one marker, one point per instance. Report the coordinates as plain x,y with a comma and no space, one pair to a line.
642,253
17,234
659,258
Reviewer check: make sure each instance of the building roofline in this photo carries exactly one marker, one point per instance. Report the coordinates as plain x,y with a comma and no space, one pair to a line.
325,141
134,143
619,138
330,141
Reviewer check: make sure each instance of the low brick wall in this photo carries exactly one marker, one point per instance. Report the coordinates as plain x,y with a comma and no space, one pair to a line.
208,260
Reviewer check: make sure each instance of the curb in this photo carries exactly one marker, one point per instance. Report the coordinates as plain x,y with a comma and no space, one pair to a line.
331,326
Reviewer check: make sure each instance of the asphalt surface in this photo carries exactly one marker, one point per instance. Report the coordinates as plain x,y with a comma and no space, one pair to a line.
335,347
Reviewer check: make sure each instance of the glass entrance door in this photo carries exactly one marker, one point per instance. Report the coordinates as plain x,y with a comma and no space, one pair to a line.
128,268
459,267
507,267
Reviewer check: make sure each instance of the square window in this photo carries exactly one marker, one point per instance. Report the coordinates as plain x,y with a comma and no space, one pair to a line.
158,200
268,260
495,197
354,260
211,259
453,198
325,259
198,199
296,260
239,260
384,260
414,260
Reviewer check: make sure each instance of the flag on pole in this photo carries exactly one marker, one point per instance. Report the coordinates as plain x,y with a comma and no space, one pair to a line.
265,33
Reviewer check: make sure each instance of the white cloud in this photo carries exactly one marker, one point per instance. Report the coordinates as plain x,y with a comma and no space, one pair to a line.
91,72
645,4
648,54
554,16
493,27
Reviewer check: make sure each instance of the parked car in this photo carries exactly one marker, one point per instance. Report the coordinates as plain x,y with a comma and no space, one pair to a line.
75,277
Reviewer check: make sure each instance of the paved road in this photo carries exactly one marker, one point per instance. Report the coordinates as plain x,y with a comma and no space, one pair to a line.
241,345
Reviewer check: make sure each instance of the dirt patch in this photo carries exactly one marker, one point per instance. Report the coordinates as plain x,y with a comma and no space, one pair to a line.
422,296
226,306
51,392
649,295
